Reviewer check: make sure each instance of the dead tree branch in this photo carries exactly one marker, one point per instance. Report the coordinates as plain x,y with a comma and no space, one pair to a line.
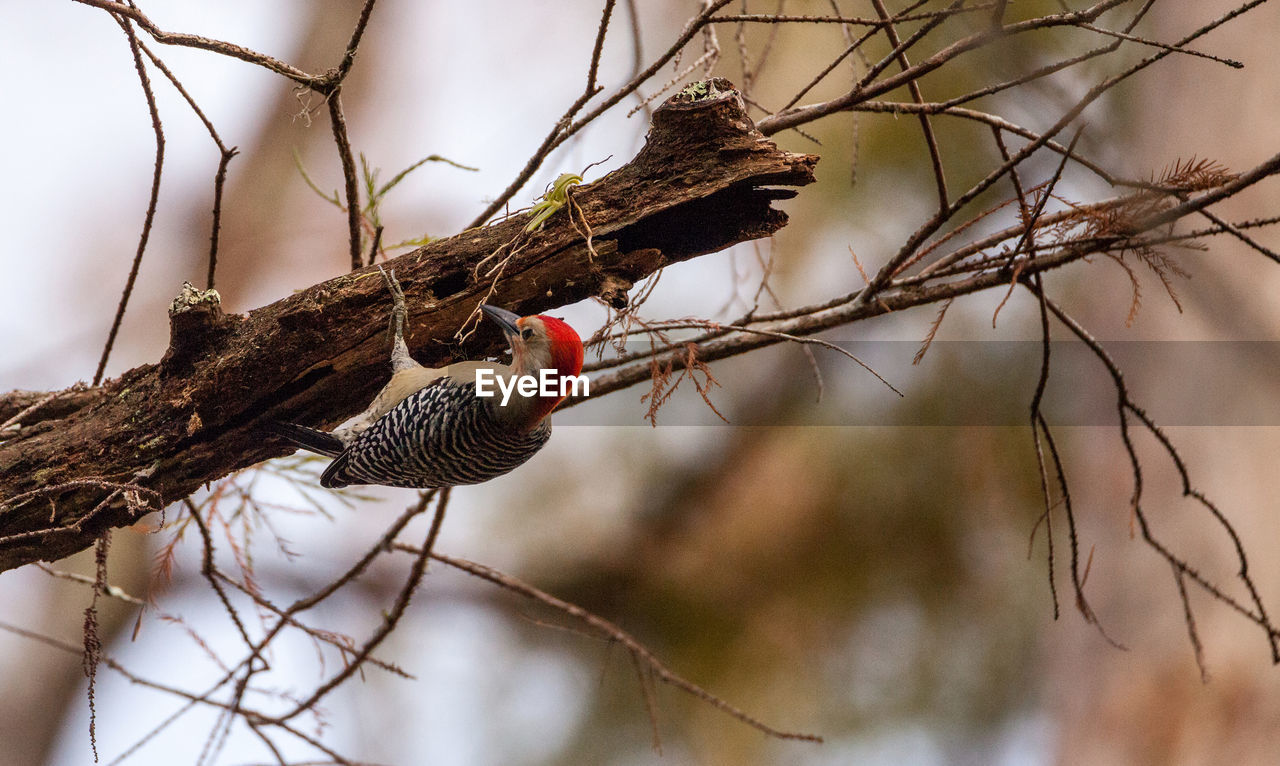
705,180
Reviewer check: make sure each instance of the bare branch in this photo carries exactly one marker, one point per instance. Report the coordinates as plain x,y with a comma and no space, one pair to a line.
935,155
317,82
339,125
389,620
318,355
613,633
152,203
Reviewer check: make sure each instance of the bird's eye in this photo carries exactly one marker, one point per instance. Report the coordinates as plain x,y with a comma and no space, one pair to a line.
526,333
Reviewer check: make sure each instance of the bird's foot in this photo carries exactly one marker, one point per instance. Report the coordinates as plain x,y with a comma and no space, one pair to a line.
400,357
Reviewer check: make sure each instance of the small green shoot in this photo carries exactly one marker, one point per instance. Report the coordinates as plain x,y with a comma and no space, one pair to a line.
374,194
555,198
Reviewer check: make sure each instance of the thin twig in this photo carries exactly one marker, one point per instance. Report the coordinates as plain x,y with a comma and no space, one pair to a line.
210,575
225,154
935,154
152,203
560,131
1163,46
390,618
803,114
339,125
203,43
613,633
1126,408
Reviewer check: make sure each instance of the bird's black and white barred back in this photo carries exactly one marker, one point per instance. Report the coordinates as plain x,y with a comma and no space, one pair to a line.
442,436
428,428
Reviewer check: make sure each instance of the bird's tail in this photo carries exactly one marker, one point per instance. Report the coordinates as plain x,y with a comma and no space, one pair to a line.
310,439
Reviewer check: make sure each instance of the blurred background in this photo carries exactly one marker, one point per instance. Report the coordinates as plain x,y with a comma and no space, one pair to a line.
855,566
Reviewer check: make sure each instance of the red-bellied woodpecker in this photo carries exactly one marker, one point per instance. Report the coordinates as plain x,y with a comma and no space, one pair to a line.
429,427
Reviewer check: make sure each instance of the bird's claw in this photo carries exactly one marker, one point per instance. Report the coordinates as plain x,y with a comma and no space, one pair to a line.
400,357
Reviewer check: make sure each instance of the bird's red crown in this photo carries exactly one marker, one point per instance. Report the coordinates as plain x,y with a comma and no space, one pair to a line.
566,346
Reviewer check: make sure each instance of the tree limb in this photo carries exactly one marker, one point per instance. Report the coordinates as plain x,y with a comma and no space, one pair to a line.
705,180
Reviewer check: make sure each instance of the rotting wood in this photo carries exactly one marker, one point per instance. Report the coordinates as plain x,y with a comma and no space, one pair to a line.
705,180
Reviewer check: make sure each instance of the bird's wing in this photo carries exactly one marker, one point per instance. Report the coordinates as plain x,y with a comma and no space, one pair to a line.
386,451
405,383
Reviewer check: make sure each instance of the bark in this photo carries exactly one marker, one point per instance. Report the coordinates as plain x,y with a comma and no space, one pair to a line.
95,458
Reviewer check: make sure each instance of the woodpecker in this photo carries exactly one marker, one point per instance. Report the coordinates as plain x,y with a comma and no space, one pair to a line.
428,428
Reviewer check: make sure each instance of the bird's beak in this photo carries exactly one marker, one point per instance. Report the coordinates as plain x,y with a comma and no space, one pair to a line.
503,318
